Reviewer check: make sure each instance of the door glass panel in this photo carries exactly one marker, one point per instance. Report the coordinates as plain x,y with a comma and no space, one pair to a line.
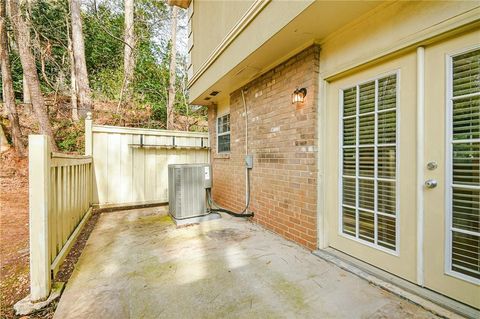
369,167
349,191
386,197
387,128
367,129
349,131
349,161
465,254
464,188
350,102
367,226
366,158
466,68
466,119
466,209
348,221
367,97
387,162
466,163
387,92
366,194
386,231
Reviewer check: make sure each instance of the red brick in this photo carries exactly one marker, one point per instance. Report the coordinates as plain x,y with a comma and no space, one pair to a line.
283,141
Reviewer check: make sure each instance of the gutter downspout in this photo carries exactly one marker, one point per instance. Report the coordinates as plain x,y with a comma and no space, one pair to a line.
247,186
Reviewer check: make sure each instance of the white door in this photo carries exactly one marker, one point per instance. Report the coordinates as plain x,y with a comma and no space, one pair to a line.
452,146
370,165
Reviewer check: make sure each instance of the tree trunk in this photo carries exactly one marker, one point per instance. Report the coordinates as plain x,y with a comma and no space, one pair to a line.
173,60
8,93
4,146
27,59
81,75
129,38
26,91
73,78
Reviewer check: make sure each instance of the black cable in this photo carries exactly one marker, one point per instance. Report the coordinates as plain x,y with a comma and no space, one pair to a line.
221,209
231,213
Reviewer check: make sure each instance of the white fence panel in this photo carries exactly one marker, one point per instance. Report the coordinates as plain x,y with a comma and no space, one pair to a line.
60,196
131,164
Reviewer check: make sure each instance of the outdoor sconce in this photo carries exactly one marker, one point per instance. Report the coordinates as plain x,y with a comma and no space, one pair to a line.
298,95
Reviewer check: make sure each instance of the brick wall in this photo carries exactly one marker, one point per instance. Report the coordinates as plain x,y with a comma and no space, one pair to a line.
283,140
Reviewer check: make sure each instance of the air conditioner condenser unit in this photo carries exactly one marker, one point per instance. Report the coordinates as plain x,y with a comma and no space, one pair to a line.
187,195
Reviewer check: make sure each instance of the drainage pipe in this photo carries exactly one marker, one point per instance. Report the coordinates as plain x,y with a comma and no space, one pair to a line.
247,182
210,200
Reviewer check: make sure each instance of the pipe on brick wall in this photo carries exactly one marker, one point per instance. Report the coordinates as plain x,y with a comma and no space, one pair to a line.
247,184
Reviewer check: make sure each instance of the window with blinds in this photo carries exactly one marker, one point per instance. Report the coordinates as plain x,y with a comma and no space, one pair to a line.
369,162
464,164
223,134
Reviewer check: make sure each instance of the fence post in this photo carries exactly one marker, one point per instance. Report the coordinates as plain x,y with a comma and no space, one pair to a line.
88,134
89,152
39,183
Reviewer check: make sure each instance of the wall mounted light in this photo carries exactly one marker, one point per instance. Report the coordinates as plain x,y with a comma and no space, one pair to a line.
298,95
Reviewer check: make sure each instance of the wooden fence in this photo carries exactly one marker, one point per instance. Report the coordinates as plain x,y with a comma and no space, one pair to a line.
131,164
121,165
60,197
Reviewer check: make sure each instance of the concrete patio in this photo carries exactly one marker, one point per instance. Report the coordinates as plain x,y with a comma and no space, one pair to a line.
137,264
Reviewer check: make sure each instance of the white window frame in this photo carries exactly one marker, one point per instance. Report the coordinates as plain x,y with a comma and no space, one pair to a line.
356,238
224,133
448,167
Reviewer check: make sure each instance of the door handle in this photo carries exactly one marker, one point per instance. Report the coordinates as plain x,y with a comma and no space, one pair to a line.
431,183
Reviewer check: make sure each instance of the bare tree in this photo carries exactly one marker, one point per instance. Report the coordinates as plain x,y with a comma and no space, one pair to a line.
81,75
26,91
27,59
173,60
73,78
7,81
129,39
4,146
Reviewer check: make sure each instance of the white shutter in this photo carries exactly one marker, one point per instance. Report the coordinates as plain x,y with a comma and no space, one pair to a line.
369,165
464,153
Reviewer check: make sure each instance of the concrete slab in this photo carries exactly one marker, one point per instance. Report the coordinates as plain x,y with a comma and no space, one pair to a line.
137,264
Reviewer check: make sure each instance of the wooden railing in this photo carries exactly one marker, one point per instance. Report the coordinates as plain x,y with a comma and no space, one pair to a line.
60,188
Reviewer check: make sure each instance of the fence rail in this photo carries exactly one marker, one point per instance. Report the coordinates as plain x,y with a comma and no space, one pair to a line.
60,203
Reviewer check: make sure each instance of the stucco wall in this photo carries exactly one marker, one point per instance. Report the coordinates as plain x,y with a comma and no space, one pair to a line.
389,28
211,22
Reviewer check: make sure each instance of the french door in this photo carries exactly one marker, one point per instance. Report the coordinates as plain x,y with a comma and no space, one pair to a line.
370,159
371,167
452,154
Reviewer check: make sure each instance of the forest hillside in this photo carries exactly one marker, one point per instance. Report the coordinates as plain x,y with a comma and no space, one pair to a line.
123,60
